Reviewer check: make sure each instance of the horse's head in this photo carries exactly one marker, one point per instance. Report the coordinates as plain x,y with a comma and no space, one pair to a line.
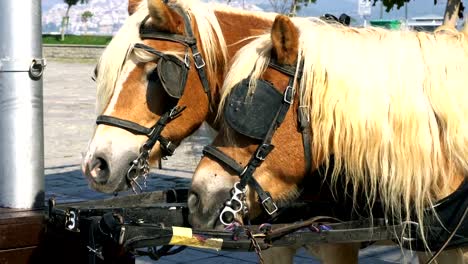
163,57
254,108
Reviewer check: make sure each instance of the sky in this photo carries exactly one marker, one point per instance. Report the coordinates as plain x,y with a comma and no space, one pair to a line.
337,7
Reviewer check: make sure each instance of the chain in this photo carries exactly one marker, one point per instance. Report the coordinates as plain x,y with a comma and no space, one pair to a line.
139,168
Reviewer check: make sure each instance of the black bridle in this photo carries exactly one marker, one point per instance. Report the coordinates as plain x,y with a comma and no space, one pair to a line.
237,203
140,166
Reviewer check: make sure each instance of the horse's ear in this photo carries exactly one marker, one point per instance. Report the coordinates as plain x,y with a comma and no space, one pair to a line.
133,6
285,39
162,18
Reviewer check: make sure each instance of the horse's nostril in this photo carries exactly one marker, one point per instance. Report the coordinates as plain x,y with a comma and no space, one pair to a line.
193,200
99,170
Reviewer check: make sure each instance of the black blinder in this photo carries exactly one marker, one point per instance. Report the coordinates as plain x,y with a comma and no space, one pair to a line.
252,114
173,74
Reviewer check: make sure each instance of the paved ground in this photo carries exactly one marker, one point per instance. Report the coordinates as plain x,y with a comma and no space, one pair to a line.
69,120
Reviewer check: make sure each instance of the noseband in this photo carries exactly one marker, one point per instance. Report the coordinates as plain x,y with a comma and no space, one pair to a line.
237,203
172,74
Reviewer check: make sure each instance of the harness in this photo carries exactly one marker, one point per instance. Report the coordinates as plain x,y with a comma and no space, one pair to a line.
450,213
171,72
254,115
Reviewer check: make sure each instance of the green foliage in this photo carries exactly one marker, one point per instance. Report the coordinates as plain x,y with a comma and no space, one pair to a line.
74,2
86,16
296,5
303,3
78,40
390,4
65,19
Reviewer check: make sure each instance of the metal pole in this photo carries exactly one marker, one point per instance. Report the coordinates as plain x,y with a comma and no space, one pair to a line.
381,9
406,13
21,121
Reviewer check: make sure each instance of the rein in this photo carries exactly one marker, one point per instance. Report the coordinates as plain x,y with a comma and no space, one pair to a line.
140,166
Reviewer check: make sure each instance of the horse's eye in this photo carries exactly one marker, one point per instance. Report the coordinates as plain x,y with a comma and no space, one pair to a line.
95,74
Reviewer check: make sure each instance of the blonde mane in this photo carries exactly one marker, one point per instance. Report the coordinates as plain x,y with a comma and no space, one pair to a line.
390,106
119,49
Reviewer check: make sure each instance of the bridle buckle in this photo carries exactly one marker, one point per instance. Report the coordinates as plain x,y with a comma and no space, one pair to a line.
269,206
263,151
289,95
198,59
187,60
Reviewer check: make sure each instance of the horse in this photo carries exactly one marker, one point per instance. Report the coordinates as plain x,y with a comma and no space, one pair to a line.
147,72
379,114
136,90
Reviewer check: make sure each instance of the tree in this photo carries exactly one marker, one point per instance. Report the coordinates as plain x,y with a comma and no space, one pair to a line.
289,7
85,18
66,18
453,10
297,4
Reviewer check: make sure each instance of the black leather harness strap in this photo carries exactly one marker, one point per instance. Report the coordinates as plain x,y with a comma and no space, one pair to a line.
215,153
124,124
286,69
197,57
302,112
153,133
150,33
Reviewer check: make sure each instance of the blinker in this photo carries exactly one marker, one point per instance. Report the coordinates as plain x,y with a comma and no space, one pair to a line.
171,70
251,114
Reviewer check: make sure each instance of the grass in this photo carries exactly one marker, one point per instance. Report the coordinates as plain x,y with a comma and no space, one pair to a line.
78,40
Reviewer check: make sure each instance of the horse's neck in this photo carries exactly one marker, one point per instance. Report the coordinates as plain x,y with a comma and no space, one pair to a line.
236,28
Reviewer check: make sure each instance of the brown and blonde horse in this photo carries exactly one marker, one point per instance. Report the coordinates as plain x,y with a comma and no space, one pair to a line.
388,106
128,90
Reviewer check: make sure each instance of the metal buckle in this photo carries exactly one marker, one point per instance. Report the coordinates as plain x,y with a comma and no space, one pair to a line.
198,59
71,220
176,111
122,235
243,171
262,152
96,252
267,207
289,95
187,60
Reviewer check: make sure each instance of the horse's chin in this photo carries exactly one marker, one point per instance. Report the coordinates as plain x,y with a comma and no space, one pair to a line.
115,186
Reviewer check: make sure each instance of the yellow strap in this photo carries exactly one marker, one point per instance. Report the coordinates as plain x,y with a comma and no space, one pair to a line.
182,236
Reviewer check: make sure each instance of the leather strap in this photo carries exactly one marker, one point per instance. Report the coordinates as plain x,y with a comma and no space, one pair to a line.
303,116
197,58
215,153
153,133
124,124
149,33
286,69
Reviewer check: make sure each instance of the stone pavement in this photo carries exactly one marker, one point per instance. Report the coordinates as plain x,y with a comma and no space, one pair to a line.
69,95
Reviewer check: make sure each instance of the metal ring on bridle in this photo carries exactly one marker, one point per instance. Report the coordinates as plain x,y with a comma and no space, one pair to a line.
236,197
